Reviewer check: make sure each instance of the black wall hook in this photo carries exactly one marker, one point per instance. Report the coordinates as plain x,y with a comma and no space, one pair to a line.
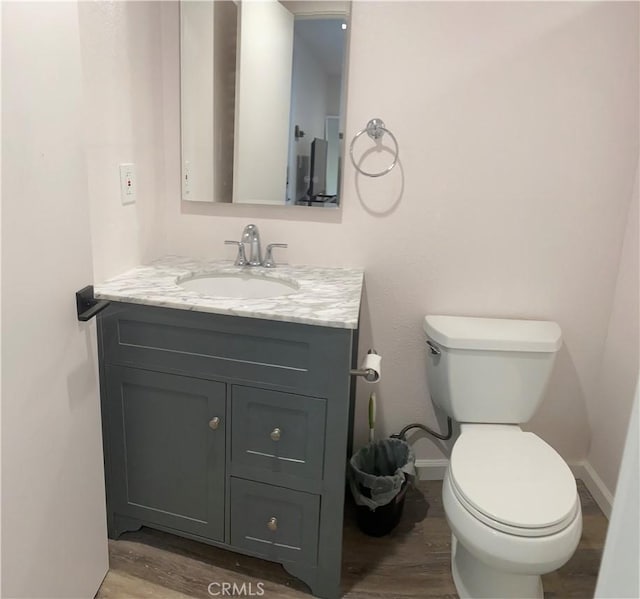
87,306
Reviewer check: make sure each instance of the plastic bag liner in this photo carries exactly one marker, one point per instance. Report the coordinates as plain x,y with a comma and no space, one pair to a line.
378,471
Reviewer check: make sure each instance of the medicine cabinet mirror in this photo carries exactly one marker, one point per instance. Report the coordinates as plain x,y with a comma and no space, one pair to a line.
262,91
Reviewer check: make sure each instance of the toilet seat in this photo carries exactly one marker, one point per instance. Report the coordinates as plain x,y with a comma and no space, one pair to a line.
513,481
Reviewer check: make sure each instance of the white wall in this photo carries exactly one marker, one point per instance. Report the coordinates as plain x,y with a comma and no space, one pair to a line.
0,323
610,403
619,576
122,74
54,536
518,132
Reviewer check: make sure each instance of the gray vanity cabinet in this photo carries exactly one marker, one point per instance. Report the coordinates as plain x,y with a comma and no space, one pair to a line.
229,430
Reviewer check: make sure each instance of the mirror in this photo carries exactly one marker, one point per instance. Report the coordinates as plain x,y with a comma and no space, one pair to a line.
262,101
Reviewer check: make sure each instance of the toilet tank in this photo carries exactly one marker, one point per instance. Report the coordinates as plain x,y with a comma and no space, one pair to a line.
491,370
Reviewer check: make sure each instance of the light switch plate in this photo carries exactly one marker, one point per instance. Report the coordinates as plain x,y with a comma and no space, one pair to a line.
128,184
186,180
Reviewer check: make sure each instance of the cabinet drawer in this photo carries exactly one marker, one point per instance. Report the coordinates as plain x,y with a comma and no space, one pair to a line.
276,436
273,522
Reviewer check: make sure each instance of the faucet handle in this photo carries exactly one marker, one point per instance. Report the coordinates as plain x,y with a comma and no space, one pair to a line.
241,259
269,262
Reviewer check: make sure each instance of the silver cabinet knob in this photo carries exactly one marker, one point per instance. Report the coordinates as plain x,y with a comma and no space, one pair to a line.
275,434
272,525
214,423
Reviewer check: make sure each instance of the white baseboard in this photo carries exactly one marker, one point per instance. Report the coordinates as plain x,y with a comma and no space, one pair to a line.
431,469
435,469
601,495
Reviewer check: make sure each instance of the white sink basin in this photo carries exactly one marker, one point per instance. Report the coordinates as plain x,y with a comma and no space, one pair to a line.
238,286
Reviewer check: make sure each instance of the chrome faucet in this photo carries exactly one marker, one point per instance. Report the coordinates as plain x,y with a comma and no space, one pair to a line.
251,235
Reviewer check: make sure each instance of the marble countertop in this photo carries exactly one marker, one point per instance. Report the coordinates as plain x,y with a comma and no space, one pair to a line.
327,297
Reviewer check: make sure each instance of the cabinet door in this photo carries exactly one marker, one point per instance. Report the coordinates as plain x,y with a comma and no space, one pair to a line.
167,450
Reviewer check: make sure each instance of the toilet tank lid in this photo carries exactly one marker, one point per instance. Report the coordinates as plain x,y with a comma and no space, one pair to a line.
498,334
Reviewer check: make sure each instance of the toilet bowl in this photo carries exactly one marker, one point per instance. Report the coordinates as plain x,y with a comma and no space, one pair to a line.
510,499
513,508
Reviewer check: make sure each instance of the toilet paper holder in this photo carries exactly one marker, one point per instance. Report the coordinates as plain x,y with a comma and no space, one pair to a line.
369,374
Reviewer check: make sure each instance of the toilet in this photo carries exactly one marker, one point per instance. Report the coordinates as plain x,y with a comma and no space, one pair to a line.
510,499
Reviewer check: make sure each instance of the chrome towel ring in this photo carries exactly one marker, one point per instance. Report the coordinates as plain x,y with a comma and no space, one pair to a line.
375,129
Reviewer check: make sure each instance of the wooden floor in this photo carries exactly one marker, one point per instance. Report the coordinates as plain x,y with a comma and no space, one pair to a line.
411,562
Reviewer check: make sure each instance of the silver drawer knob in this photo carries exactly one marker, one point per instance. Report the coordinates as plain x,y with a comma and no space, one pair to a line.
214,423
272,524
275,434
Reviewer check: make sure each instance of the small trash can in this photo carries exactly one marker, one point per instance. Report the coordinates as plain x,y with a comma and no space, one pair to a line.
379,474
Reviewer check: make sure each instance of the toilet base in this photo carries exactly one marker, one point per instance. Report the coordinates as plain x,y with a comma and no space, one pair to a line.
475,580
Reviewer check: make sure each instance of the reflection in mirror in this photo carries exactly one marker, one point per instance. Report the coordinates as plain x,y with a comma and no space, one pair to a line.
316,98
207,99
263,100
262,95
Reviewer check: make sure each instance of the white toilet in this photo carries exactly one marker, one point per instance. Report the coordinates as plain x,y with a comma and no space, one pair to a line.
510,499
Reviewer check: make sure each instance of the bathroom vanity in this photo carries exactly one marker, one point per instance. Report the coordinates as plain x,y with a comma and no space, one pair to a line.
229,420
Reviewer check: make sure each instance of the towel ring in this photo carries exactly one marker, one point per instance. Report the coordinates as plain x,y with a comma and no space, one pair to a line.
375,129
